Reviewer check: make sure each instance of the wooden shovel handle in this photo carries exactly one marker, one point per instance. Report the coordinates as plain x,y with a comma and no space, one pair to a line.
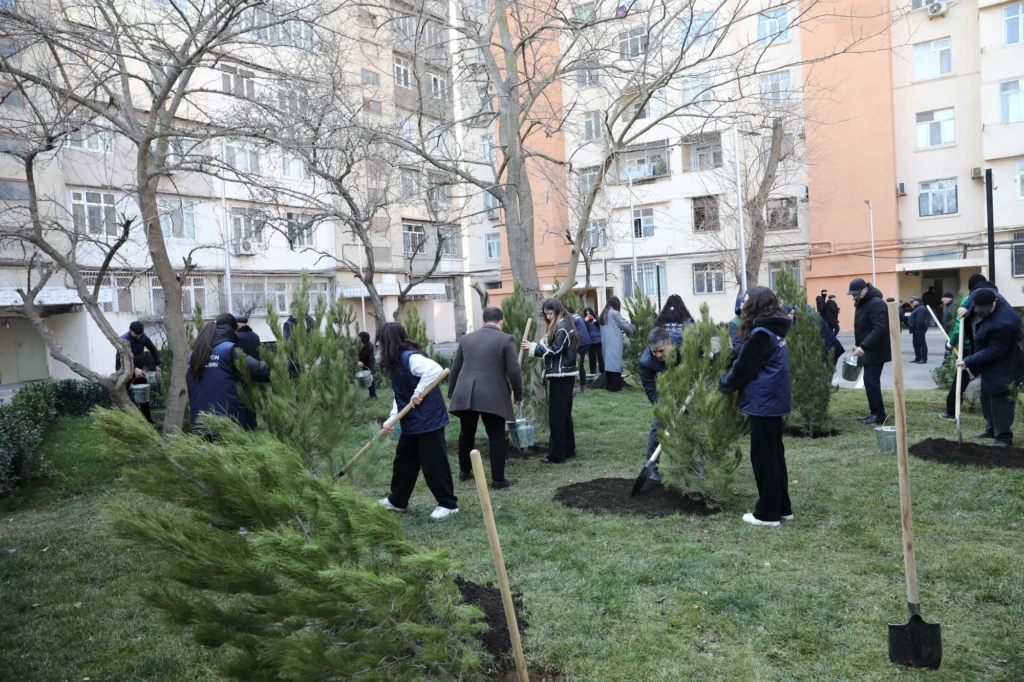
526,337
959,374
902,460
499,564
392,421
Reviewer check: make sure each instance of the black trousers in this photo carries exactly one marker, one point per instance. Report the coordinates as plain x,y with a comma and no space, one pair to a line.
373,389
426,451
873,388
563,435
495,427
998,409
613,381
952,397
581,354
768,459
834,326
596,359
920,344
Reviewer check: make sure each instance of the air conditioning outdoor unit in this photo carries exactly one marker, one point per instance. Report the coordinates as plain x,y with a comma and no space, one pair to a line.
938,8
804,193
977,173
245,247
492,214
901,189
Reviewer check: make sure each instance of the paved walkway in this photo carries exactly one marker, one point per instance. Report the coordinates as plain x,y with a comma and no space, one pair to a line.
914,376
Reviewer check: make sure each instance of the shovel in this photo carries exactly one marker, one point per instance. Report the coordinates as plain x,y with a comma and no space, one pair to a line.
646,472
917,644
959,380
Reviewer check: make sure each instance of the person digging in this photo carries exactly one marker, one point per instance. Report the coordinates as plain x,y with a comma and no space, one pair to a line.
652,363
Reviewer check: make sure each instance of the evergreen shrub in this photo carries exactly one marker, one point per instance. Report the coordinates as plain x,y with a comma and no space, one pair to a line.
641,313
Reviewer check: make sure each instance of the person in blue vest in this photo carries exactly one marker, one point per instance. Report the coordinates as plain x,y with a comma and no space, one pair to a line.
139,344
761,375
213,375
594,329
583,334
421,445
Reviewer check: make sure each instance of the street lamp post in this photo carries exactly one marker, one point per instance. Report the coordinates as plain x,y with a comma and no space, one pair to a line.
739,207
871,219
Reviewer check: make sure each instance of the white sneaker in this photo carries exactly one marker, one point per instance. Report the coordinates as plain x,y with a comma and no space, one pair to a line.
752,520
787,518
386,503
441,512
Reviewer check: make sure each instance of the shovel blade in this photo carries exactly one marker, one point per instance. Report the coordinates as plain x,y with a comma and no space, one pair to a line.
917,644
645,474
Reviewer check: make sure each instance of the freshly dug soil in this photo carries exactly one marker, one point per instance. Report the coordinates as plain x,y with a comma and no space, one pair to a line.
611,496
794,432
496,639
968,454
536,450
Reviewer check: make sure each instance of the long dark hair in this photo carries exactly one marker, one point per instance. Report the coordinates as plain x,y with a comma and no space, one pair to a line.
613,302
393,341
760,302
561,313
674,311
201,350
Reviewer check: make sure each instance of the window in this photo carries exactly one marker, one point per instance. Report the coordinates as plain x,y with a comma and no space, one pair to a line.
246,223
248,295
414,239
93,213
439,195
704,151
411,183
439,139
649,276
1018,254
597,234
705,214
772,26
585,12
935,128
436,86
932,60
301,230
708,278
1013,24
486,98
402,72
787,151
1011,101
449,242
488,152
404,24
633,43
697,29
242,159
491,206
637,109
648,162
775,88
193,295
293,99
696,90
277,296
781,214
13,190
775,269
937,197
433,35
371,78
587,76
643,222
238,81
122,299
95,138
588,176
492,244
11,96
403,128
318,291
181,149
592,125
177,218
373,107
294,168
919,4
9,48
1020,179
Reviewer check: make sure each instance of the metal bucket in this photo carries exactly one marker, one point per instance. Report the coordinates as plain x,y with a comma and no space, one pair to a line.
396,432
139,393
851,370
886,437
523,431
365,378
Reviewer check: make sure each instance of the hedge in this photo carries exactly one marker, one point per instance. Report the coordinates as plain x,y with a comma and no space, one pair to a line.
24,421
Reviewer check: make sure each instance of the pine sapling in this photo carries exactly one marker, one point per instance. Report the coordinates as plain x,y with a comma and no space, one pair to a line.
641,313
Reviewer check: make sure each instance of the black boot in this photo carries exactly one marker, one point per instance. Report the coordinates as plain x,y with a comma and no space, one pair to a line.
144,408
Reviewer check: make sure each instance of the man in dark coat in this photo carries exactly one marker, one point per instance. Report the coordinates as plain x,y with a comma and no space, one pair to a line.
248,340
819,302
484,374
368,361
832,314
931,299
998,358
139,344
871,344
652,363
917,323
947,310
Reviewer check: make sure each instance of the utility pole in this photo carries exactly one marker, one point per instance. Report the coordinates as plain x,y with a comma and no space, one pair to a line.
871,222
991,227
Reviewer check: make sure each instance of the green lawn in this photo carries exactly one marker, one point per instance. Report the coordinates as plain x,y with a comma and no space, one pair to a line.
607,598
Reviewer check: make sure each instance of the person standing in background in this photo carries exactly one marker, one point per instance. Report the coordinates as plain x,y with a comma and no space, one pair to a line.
871,344
832,313
594,329
931,299
820,302
734,326
612,329
947,311
139,343
917,323
581,351
248,340
368,362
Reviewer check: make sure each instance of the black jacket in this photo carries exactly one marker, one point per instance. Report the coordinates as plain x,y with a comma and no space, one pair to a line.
819,304
249,341
832,312
969,318
366,356
918,319
871,328
650,367
997,354
139,347
830,341
560,356
290,323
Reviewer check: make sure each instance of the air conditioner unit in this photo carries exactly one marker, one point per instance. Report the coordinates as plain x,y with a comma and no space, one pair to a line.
938,8
245,247
492,214
804,193
977,173
901,189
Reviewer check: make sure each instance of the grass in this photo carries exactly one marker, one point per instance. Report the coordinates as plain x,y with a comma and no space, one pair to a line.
607,598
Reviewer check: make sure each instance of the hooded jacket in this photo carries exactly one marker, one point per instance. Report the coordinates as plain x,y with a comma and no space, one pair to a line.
871,328
216,391
997,356
761,372
832,312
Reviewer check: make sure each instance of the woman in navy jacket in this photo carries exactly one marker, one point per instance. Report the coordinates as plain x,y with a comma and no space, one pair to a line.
559,353
213,375
761,375
421,445
594,329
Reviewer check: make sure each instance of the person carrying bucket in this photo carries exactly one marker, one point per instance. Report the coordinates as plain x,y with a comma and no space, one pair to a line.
871,344
139,343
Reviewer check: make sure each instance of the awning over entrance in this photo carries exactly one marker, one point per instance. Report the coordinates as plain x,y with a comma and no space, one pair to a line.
393,289
950,264
10,298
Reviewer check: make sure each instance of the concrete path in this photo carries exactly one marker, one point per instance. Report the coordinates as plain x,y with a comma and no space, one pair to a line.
914,376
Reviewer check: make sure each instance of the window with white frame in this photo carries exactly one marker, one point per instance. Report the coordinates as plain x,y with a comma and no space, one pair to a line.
293,99
638,108
370,78
318,291
301,230
1013,24
932,59
702,152
449,241
92,137
486,98
411,182
708,278
1011,101
94,213
592,125
414,239
238,81
439,194
402,72
775,269
403,128
439,139
294,168
492,246
648,162
1018,254
697,29
587,76
775,88
121,289
781,213
773,26
650,276
696,90
491,206
404,23
488,152
787,150
241,158
597,234
643,222
937,197
433,34
246,223
633,43
277,296
248,295
193,294
373,107
177,218
1020,179
705,214
935,128
588,176
436,86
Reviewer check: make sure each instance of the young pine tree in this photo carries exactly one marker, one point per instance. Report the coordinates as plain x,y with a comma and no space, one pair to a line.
416,327
642,313
700,449
810,371
289,576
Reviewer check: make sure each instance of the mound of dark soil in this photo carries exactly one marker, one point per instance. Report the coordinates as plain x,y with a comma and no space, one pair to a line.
536,450
495,639
794,432
611,496
968,454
